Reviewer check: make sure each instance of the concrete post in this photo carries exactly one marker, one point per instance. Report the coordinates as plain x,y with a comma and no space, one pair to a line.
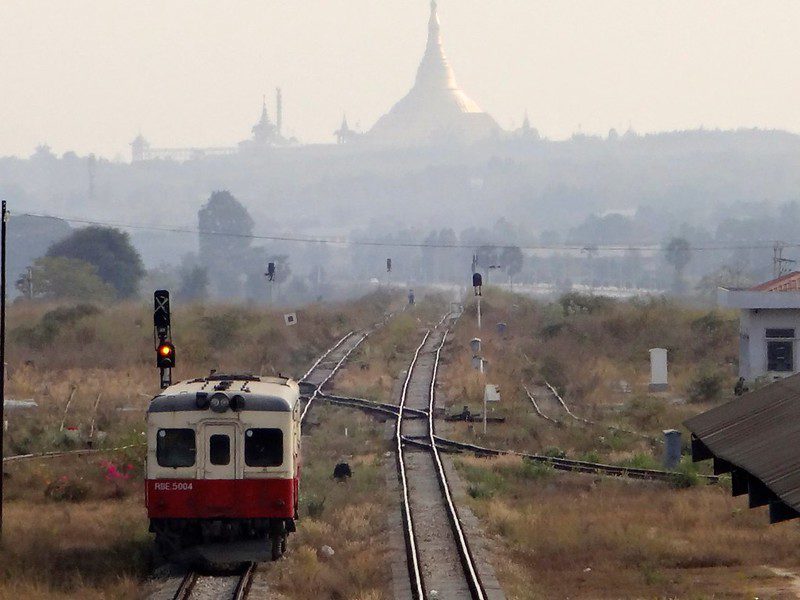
658,370
672,448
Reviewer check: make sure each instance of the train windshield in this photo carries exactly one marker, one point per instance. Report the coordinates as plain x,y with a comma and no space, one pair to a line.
263,447
176,448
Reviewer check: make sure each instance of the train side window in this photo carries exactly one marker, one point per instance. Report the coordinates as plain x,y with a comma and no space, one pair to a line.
219,449
175,448
263,447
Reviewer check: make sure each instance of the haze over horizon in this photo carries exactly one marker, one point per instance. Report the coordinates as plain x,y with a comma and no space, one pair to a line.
90,76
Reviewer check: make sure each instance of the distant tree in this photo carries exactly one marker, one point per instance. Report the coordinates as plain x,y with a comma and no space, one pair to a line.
225,230
678,254
512,259
726,276
57,277
194,283
110,250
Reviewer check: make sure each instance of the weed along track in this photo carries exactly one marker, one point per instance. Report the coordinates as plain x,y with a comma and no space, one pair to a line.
438,552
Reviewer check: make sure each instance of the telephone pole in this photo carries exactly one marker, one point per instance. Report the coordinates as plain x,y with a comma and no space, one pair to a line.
3,220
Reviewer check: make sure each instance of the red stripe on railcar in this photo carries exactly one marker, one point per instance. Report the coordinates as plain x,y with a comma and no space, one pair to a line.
221,498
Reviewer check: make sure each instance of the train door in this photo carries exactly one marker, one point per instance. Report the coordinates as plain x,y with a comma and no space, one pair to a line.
219,469
220,452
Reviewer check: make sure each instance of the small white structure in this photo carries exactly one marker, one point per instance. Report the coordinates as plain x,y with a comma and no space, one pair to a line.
491,393
769,320
658,370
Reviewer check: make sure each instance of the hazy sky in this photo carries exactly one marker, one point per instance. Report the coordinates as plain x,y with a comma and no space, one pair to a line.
89,75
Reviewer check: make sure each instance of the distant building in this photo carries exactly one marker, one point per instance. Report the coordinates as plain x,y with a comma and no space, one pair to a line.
345,135
265,132
435,109
769,323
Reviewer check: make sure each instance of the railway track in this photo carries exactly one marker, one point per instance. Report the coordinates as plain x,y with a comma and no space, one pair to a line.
326,367
438,554
193,586
449,445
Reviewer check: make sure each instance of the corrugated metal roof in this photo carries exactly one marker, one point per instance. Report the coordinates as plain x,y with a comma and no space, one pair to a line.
785,283
759,433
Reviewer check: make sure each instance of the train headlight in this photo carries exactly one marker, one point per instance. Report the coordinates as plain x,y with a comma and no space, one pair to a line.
219,403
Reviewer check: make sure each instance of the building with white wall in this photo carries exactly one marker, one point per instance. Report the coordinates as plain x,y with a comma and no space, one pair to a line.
769,324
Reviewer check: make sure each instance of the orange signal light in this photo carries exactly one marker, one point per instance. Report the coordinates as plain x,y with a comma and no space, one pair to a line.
165,355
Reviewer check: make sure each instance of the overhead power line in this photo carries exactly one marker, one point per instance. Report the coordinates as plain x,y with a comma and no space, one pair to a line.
405,244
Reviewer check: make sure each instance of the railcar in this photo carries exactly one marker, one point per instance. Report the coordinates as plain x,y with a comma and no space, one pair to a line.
223,466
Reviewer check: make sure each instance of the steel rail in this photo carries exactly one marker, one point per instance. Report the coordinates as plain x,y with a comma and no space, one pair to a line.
414,567
465,553
184,590
539,410
596,424
338,365
370,404
567,464
325,355
243,587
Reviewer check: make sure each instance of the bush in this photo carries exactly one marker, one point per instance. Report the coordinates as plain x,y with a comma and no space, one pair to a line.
686,475
52,323
553,371
315,507
535,470
706,386
65,489
575,303
555,452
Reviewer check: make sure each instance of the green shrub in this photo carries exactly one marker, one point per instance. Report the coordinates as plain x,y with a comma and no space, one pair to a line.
65,489
535,470
555,452
641,461
576,303
706,386
479,491
686,475
315,507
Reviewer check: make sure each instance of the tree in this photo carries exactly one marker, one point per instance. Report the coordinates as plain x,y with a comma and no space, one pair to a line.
194,283
225,230
512,259
678,255
110,250
57,277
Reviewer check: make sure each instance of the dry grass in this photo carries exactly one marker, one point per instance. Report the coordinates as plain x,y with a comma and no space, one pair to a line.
87,550
586,355
75,530
386,354
571,536
575,536
352,519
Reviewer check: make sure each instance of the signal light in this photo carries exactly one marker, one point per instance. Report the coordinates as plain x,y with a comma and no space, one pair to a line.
165,355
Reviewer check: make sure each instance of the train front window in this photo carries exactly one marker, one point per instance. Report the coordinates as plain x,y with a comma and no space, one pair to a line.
175,448
219,449
263,447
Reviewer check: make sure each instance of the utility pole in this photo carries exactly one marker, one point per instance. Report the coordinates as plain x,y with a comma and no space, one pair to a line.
780,265
2,349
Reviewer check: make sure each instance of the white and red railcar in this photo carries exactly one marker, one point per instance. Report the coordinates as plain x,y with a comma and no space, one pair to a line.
223,463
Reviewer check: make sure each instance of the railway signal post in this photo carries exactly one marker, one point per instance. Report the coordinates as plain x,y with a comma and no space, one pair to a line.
162,332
